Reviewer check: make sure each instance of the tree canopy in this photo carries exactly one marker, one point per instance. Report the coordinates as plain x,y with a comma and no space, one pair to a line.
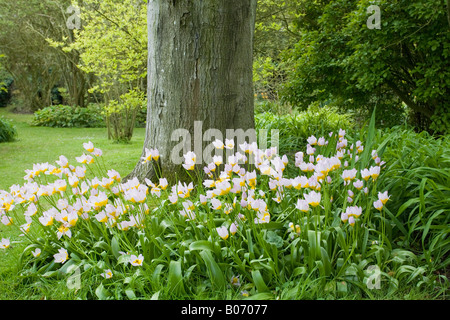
339,59
305,52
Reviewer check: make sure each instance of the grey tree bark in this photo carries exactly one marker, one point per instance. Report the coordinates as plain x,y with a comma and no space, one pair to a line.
199,72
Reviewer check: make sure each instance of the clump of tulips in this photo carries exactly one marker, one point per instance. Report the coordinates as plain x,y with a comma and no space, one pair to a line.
256,214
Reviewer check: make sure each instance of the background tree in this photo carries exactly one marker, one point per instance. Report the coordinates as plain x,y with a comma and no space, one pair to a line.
274,34
199,69
26,27
405,62
112,46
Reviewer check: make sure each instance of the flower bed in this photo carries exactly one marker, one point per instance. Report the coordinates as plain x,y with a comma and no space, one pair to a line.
258,222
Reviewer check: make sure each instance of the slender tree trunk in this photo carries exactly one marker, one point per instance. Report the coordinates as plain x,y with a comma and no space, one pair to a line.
448,12
199,74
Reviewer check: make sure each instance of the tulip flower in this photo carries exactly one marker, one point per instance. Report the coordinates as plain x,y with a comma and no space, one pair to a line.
64,230
150,154
173,198
344,216
302,205
233,228
383,197
223,232
163,183
107,274
89,146
374,172
190,159
251,179
216,204
97,152
321,141
349,175
60,185
351,221
235,281
374,154
203,199
313,198
218,160
61,256
46,220
353,211
358,184
7,221
113,174
101,217
80,172
73,181
295,228
229,144
86,159
365,174
63,162
378,205
5,243
136,260
218,144
310,150
312,140
36,253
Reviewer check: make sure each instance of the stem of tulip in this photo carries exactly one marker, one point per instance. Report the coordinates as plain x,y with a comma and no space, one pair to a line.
327,203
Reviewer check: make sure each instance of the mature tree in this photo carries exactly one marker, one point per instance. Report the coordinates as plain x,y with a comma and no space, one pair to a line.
274,34
26,28
199,75
113,46
343,57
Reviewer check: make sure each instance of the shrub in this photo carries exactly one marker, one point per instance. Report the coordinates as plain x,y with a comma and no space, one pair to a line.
264,105
296,127
418,176
7,131
121,115
141,117
62,116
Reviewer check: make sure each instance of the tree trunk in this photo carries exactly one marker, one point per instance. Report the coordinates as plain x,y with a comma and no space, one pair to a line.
199,77
448,12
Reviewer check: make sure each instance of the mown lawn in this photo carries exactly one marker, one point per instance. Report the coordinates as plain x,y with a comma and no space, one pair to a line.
42,144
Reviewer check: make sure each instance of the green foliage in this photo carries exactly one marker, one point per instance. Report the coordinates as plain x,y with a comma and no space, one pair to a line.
7,131
121,115
113,45
273,35
339,58
265,105
61,116
129,240
418,176
296,127
46,66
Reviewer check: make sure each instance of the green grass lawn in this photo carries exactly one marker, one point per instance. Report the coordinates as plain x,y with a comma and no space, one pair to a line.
42,144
